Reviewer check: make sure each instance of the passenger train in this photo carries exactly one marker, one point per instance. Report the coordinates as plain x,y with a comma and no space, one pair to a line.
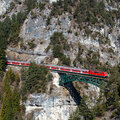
63,69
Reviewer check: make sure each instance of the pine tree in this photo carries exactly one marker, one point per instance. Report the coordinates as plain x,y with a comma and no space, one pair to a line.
6,105
11,76
82,112
16,102
6,109
17,79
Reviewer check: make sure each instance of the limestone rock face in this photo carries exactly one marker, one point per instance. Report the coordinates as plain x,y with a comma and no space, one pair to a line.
58,105
4,4
37,29
46,107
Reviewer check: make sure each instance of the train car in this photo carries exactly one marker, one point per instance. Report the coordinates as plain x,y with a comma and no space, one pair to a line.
98,73
18,63
63,69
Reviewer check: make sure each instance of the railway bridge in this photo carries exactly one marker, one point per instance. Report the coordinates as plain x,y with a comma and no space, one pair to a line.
69,74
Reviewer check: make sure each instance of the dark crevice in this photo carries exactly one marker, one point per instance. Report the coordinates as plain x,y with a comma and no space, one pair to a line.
73,92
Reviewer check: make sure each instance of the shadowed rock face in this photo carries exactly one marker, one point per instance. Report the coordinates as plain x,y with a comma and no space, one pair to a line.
73,92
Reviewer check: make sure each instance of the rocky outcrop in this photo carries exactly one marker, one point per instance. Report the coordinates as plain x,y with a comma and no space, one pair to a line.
4,4
37,29
58,105
46,107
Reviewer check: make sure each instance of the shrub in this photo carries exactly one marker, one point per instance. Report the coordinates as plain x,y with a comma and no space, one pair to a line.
47,49
48,21
31,45
110,50
57,38
50,76
33,15
30,4
76,33
41,6
59,44
65,60
57,51
74,62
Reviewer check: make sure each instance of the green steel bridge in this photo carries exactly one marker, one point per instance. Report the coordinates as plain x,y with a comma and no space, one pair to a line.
67,77
67,74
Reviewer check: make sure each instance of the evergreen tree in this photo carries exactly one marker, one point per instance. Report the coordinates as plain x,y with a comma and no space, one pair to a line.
82,112
17,79
6,108
11,76
35,80
30,4
11,101
6,84
16,102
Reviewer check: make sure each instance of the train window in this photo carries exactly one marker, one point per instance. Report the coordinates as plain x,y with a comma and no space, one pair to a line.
67,69
53,67
96,72
76,70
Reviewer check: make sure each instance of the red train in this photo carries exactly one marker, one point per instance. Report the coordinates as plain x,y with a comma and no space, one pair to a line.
63,69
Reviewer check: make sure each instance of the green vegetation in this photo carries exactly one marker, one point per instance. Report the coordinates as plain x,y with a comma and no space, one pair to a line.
2,62
58,38
110,50
9,32
108,100
49,77
47,49
82,112
10,29
35,79
30,4
31,44
92,12
92,58
48,21
41,6
60,6
87,13
33,15
57,51
11,76
16,22
22,46
11,100
60,44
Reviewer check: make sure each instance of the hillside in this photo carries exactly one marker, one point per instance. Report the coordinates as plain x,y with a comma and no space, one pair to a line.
76,33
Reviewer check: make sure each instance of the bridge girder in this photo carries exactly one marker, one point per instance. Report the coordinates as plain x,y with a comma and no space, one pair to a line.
64,78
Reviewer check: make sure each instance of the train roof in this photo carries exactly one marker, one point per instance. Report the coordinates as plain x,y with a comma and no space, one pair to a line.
73,68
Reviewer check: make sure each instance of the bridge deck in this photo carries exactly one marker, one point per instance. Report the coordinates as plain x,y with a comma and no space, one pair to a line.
77,71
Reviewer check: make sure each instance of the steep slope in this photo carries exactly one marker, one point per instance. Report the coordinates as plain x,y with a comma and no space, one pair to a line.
68,33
